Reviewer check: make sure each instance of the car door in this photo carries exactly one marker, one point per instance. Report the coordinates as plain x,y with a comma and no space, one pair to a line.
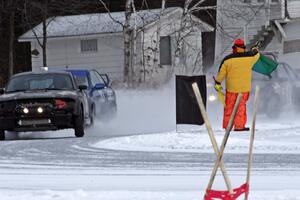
80,78
109,92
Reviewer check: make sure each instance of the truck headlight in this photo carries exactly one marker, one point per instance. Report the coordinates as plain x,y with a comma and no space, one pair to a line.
40,110
25,110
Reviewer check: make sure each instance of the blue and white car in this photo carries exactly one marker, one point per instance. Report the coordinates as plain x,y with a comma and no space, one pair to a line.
101,97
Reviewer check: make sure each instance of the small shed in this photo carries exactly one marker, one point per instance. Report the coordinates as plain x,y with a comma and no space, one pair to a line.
97,41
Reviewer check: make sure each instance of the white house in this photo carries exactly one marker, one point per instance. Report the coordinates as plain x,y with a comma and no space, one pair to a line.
287,37
96,41
273,22
242,19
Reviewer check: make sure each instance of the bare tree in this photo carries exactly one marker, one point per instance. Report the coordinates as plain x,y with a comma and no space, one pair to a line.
183,32
128,34
145,67
238,19
46,12
9,8
43,10
127,41
11,43
188,56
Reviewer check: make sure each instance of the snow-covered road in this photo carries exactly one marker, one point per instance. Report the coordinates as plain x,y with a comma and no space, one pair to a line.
126,162
62,166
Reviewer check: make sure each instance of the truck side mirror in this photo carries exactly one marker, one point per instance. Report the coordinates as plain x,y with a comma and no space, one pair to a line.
2,90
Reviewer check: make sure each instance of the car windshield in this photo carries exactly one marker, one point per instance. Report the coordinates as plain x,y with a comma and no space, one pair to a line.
80,78
40,82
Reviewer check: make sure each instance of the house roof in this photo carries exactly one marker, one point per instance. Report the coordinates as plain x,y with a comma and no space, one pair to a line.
89,24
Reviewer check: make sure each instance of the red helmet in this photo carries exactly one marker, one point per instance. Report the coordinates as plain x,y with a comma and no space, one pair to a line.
239,43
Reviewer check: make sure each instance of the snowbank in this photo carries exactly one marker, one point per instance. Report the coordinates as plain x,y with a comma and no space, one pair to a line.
198,143
271,137
151,114
135,195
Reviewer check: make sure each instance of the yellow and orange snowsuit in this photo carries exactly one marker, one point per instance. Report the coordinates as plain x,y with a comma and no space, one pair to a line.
236,69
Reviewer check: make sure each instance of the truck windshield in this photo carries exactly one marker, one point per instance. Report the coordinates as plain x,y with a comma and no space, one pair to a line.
40,82
80,77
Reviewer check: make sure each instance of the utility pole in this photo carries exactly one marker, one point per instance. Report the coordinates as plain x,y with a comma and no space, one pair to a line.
11,43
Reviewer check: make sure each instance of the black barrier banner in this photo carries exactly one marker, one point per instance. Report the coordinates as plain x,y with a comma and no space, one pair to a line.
187,109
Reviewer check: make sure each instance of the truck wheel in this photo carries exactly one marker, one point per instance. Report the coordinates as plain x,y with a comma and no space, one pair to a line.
2,135
79,124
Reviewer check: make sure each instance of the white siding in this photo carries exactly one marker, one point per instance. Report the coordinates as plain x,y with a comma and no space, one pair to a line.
291,43
151,62
190,63
292,40
292,30
294,8
233,16
65,52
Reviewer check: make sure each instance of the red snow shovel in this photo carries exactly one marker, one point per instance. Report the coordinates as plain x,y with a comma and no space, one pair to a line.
225,195
230,194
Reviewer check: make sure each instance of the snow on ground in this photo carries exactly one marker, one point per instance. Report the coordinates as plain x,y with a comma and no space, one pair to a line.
279,135
145,123
136,195
266,142
162,186
146,187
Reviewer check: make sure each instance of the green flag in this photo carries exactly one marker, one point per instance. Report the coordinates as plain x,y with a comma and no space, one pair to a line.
265,65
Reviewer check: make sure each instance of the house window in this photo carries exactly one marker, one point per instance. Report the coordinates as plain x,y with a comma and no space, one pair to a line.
247,1
89,45
165,50
275,1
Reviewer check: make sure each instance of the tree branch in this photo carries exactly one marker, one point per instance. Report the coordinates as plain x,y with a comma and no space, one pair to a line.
109,14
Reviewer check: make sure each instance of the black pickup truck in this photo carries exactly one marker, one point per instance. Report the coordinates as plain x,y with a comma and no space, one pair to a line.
40,101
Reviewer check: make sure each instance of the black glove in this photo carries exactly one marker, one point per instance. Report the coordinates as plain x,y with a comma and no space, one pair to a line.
255,47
